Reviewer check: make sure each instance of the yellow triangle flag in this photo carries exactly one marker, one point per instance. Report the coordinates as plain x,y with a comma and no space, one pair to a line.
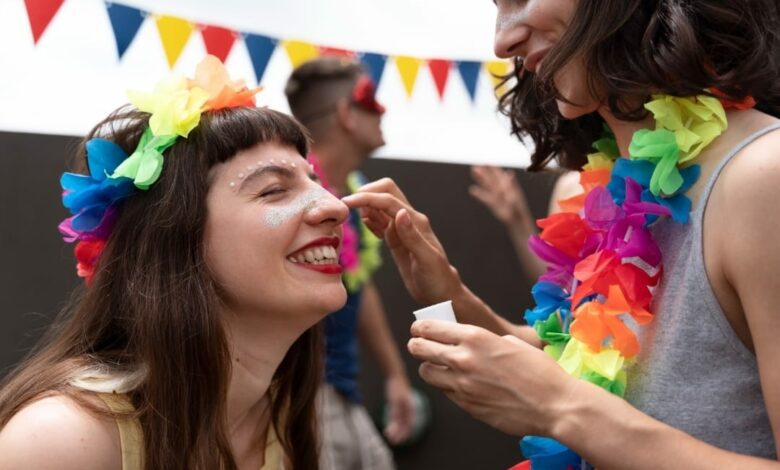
408,68
497,69
174,34
300,52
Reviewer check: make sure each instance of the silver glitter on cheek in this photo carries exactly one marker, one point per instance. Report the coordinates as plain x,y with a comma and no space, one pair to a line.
307,201
232,184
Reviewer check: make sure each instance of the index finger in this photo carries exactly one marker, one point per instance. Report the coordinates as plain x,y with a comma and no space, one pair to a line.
440,331
384,185
384,202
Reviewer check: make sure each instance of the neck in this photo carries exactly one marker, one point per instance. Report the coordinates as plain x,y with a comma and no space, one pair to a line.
624,130
258,343
337,161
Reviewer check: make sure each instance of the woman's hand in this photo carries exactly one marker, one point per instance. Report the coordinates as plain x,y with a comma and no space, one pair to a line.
417,252
502,381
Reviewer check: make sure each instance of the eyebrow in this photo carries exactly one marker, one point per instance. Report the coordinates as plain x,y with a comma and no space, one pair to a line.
278,170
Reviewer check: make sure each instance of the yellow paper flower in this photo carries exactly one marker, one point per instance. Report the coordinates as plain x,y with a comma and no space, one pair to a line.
577,359
598,161
175,106
695,121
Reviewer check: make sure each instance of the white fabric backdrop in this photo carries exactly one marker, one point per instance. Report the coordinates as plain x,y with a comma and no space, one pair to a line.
73,77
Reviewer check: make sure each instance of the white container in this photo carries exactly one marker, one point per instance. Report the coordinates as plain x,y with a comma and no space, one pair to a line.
441,311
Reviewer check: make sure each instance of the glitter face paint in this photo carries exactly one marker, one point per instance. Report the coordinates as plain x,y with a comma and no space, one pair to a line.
276,216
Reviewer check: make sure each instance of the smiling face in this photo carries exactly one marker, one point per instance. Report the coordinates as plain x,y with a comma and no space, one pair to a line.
272,235
529,29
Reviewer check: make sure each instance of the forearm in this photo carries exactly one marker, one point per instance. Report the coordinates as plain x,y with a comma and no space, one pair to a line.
611,434
375,334
470,309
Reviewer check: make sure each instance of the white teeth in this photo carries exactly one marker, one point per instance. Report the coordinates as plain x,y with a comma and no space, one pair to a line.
316,255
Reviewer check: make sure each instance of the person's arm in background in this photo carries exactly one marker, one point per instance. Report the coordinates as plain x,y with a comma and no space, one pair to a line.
375,334
500,192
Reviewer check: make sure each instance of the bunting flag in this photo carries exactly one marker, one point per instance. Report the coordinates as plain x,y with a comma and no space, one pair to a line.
440,71
299,51
174,34
325,50
40,14
408,67
218,40
260,50
375,63
469,72
125,22
497,69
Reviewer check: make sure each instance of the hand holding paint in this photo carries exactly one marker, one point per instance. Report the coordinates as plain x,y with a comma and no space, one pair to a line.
441,311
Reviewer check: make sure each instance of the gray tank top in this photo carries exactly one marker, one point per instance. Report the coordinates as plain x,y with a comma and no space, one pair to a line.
693,372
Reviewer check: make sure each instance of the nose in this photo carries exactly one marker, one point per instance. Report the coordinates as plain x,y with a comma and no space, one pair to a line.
326,209
512,32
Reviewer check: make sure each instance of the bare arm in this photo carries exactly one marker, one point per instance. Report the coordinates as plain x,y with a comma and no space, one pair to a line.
522,391
375,334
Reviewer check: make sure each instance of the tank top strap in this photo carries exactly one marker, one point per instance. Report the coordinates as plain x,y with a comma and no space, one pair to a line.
722,164
130,434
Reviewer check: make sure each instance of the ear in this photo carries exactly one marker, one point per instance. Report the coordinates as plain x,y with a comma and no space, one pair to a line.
345,115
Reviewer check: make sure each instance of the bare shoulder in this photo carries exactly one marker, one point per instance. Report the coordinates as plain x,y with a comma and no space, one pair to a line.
752,177
55,432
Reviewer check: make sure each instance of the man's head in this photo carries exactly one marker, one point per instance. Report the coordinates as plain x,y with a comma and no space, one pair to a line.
334,98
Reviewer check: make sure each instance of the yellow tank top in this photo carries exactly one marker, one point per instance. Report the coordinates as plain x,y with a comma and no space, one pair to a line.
131,437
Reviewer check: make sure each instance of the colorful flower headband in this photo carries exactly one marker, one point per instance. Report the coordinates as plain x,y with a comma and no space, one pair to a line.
175,105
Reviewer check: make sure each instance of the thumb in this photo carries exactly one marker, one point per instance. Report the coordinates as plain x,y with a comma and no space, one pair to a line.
413,240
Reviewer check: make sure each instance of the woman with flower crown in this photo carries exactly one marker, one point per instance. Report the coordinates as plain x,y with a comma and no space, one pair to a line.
192,344
653,341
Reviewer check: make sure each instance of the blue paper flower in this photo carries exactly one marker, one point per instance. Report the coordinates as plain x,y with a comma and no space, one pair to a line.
88,197
548,297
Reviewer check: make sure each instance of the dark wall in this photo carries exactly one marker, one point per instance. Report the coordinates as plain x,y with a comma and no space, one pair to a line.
38,273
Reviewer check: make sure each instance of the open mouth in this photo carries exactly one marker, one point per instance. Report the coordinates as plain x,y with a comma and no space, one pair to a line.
320,255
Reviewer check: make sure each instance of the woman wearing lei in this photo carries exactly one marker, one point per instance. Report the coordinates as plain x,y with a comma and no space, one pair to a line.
652,343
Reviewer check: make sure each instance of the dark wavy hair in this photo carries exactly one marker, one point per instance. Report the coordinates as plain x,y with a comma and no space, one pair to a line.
634,48
153,306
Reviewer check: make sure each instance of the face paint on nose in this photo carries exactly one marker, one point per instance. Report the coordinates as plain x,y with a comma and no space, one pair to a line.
307,201
510,20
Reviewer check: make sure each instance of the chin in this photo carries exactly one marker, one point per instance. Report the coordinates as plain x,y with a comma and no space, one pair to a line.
570,111
333,299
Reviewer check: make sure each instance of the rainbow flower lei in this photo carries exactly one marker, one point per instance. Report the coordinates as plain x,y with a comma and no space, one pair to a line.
175,105
603,263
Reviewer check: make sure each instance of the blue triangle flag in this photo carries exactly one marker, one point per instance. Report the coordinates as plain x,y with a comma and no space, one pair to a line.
125,21
375,63
260,49
469,71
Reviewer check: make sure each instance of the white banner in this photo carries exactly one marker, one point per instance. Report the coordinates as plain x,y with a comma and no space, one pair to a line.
73,76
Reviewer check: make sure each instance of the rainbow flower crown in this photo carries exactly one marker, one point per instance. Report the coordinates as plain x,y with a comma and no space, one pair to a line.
175,105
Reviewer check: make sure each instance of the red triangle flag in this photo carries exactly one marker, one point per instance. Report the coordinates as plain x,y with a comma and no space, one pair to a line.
218,40
40,13
331,51
440,69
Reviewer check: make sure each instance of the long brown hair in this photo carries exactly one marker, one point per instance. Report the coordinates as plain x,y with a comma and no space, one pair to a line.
634,48
153,305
